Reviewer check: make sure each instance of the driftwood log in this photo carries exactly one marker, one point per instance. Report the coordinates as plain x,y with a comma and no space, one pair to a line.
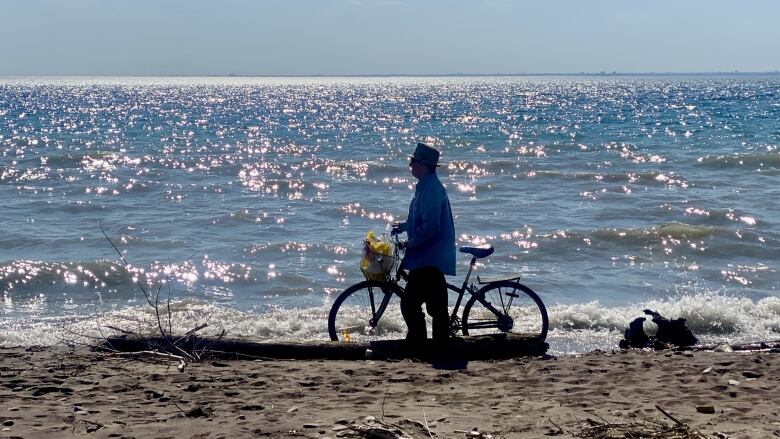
483,347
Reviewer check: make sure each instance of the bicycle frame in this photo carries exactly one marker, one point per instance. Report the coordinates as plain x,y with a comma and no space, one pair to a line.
465,287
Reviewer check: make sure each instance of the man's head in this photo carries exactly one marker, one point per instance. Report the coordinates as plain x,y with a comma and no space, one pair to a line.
424,160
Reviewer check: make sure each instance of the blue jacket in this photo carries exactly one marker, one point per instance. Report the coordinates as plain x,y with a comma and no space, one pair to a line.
430,228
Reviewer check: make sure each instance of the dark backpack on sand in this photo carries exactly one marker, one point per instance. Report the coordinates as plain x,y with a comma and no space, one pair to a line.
635,336
670,332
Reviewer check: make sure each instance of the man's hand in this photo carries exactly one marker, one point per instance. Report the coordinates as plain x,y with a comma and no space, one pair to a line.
396,229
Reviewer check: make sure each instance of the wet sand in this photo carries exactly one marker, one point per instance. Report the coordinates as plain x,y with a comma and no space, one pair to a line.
62,392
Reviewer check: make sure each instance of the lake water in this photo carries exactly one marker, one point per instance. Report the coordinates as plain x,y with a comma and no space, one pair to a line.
246,199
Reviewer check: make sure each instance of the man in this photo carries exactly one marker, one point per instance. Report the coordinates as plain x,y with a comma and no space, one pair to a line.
430,250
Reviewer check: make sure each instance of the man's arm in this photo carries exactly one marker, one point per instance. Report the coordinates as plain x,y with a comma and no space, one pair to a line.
430,208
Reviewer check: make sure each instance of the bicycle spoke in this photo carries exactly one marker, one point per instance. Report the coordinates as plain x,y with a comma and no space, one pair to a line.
500,300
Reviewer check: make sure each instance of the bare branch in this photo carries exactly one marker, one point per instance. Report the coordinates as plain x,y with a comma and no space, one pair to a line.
212,343
195,329
168,305
170,346
127,264
123,331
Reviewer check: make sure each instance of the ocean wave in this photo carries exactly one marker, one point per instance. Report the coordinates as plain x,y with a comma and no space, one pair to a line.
522,170
28,176
477,168
770,159
647,178
562,241
388,169
644,178
665,242
311,249
22,241
75,160
707,241
76,206
245,216
92,160
672,230
721,217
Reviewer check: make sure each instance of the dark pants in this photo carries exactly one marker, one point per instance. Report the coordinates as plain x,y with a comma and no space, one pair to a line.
426,285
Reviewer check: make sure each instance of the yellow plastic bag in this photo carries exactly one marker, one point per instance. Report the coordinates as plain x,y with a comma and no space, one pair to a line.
378,259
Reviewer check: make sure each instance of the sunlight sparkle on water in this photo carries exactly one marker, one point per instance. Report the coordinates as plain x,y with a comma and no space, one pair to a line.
287,174
749,220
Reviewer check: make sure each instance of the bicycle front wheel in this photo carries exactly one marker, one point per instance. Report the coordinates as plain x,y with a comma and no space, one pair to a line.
508,306
367,311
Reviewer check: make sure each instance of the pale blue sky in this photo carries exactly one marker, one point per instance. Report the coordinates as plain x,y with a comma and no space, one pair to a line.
349,37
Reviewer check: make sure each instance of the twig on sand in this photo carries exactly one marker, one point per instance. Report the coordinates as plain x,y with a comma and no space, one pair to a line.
383,402
427,428
559,431
181,366
660,409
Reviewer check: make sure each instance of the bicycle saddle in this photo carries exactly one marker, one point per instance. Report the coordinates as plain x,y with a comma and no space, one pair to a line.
480,251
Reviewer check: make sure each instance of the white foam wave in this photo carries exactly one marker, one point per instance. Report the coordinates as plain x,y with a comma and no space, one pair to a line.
307,324
580,327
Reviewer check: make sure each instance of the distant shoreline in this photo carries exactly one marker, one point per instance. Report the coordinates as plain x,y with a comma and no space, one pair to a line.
411,75
420,75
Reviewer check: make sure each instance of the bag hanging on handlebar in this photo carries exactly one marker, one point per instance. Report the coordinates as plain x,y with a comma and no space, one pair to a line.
377,260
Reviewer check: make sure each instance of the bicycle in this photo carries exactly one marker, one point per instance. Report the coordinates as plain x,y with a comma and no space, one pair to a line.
494,305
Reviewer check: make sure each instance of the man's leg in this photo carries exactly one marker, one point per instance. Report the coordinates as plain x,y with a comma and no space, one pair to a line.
436,304
411,306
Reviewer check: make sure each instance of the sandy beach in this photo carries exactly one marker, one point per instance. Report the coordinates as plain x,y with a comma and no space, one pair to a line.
61,392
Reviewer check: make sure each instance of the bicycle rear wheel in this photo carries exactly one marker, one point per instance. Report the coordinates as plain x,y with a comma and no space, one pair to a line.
367,311
515,308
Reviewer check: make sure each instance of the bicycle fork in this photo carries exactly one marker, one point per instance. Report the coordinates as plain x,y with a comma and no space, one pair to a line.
376,313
